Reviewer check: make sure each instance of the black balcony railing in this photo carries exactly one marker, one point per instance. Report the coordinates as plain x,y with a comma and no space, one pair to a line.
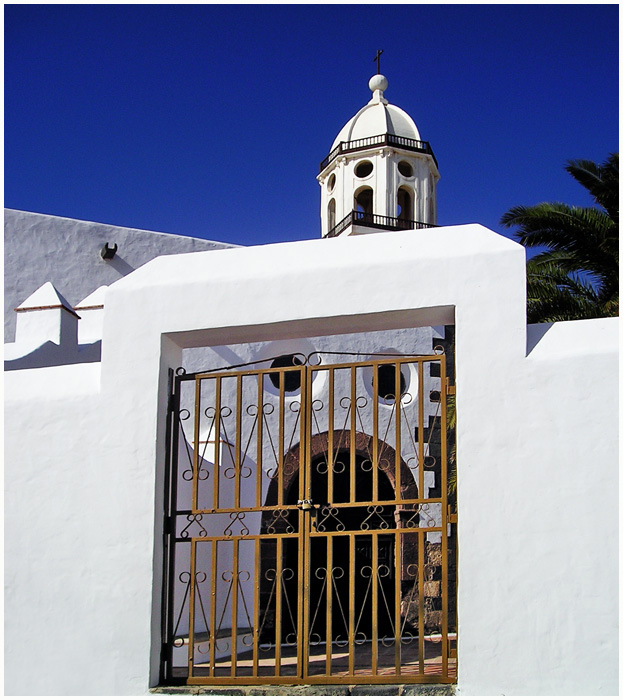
388,223
381,140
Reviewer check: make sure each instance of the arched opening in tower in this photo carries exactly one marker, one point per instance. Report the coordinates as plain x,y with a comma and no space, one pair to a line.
331,212
405,204
363,202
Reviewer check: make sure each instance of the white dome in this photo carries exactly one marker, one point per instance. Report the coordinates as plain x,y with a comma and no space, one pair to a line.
378,117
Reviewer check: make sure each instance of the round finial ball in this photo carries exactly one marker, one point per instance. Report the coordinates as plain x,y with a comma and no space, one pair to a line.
378,82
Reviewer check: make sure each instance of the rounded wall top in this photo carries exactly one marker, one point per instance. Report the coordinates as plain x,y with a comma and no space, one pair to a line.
378,117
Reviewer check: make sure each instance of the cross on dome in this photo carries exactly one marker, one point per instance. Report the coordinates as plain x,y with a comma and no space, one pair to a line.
377,58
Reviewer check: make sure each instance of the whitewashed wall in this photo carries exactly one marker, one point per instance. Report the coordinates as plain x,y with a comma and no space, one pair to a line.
538,511
40,248
537,458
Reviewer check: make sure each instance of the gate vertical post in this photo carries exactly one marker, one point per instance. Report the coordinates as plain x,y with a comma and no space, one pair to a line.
399,507
444,518
170,497
421,541
191,609
304,521
196,433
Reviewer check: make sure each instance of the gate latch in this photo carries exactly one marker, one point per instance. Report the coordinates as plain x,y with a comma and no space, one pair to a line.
305,504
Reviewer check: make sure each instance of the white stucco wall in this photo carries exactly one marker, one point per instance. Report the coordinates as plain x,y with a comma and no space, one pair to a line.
536,457
538,584
64,526
40,248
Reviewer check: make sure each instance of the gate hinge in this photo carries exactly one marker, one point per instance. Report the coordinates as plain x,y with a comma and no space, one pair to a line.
450,388
452,517
167,524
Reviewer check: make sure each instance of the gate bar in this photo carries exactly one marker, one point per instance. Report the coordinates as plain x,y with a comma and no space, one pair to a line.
444,519
238,445
384,358
351,611
330,457
256,610
305,526
397,601
259,432
282,429
421,611
329,607
398,419
214,553
234,608
195,482
353,430
278,593
217,442
375,435
420,432
170,522
191,610
375,596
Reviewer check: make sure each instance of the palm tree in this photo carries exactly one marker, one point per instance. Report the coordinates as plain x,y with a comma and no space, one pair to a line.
577,276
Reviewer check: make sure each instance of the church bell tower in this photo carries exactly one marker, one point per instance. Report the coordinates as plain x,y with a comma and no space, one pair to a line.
379,175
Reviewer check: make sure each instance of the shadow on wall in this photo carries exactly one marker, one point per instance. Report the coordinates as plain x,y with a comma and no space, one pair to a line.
52,355
536,333
120,265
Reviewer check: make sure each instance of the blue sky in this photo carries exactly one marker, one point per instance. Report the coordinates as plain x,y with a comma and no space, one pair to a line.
211,120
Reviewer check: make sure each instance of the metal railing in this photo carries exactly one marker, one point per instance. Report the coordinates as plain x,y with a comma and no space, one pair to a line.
389,223
380,140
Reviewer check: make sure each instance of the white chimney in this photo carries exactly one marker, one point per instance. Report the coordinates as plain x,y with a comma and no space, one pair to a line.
91,310
46,316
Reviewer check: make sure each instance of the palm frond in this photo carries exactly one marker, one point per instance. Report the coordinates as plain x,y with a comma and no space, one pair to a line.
602,181
553,295
577,276
588,236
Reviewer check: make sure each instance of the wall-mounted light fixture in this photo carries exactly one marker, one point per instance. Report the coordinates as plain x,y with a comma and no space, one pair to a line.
108,252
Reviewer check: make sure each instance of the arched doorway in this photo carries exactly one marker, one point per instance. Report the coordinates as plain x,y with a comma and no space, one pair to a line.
349,519
355,557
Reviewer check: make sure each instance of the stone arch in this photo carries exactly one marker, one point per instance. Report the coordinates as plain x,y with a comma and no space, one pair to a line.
319,444
363,446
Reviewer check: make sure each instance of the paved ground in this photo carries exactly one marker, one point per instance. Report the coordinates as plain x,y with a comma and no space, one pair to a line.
312,690
339,665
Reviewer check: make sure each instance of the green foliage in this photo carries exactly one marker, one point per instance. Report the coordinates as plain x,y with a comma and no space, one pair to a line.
451,430
578,275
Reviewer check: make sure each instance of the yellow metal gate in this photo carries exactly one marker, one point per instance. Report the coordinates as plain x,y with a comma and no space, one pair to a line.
310,534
